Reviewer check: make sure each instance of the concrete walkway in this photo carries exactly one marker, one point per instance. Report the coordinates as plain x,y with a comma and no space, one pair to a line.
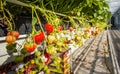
98,60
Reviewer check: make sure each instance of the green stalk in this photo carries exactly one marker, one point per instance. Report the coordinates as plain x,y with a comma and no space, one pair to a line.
33,27
52,5
39,21
2,8
44,45
43,4
41,29
11,18
64,15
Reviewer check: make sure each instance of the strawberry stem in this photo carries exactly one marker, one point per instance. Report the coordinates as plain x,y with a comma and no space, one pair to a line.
40,24
3,10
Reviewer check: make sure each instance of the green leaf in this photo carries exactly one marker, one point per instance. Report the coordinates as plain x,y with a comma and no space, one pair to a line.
99,5
23,51
11,46
18,58
106,4
15,50
88,1
34,21
109,15
95,15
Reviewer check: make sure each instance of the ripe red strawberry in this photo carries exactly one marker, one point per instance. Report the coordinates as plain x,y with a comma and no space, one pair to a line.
60,28
70,29
49,28
14,33
30,47
38,38
47,55
10,39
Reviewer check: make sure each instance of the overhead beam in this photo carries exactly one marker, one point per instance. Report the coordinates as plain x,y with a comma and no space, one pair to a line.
112,4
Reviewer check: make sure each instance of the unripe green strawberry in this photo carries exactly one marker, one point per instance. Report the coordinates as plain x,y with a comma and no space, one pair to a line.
32,61
11,46
59,43
18,59
23,51
60,28
51,39
37,53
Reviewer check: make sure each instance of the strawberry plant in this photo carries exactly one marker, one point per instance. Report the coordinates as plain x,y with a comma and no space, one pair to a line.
57,65
53,37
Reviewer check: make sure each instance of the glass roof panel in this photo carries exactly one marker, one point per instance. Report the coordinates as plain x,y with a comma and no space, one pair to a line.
114,5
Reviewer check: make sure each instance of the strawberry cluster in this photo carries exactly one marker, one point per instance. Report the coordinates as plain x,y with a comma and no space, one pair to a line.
12,36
